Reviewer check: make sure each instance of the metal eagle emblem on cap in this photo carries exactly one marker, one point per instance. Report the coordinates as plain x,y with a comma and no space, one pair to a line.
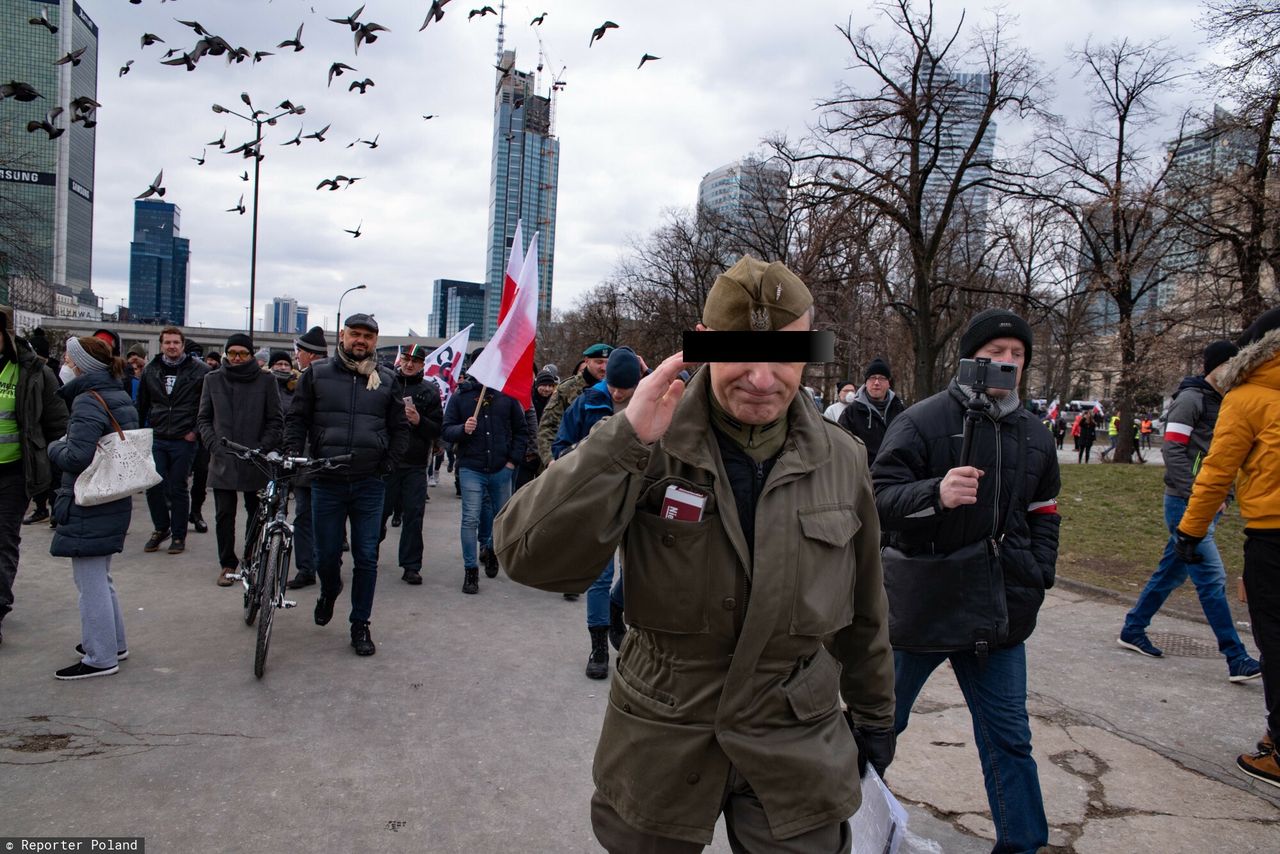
759,319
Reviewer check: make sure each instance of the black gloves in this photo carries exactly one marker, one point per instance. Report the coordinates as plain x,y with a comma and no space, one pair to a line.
1185,547
875,745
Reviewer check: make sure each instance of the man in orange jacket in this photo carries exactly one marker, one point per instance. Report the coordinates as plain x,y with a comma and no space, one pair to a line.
1246,451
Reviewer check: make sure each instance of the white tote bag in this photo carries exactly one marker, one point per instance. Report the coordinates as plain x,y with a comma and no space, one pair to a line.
121,466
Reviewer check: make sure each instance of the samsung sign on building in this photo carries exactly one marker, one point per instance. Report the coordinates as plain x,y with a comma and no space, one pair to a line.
22,176
82,191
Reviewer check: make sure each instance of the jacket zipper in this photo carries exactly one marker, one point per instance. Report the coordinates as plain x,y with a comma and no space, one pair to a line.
351,422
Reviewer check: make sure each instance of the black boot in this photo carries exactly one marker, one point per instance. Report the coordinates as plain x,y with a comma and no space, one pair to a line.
198,522
598,663
617,628
470,579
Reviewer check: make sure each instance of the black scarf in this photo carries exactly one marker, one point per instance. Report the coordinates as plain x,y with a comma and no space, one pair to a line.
242,372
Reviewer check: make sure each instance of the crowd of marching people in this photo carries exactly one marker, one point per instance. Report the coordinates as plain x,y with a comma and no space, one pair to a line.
680,465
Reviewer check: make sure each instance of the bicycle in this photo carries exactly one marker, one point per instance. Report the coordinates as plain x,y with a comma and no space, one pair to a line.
269,540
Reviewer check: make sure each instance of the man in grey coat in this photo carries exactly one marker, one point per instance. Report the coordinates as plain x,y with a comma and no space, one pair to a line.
239,401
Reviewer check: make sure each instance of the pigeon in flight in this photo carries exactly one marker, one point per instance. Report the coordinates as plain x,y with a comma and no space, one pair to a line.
318,136
428,118
297,140
598,32
372,143
47,124
186,60
296,41
648,57
19,91
221,141
328,182
83,109
355,233
154,189
149,39
73,57
361,85
259,54
43,21
350,20
239,208
336,69
195,25
349,181
368,33
481,12
245,176
200,160
124,69
435,13
537,22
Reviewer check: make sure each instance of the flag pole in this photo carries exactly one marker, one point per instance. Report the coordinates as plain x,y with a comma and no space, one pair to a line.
479,402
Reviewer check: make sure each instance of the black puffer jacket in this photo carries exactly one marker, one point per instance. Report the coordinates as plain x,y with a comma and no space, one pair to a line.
335,409
426,399
501,435
863,419
171,415
924,443
98,530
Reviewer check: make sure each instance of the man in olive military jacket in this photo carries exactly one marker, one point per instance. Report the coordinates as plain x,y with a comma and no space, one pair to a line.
750,618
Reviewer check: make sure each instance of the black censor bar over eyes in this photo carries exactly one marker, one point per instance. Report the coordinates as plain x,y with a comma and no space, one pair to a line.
759,346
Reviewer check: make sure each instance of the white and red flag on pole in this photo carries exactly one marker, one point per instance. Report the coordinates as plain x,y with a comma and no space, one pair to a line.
444,365
510,280
507,361
1053,410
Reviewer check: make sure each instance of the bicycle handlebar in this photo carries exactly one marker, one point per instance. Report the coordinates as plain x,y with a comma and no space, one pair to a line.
273,458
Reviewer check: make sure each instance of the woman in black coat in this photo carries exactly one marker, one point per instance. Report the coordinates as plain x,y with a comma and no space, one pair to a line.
240,401
91,535
1088,435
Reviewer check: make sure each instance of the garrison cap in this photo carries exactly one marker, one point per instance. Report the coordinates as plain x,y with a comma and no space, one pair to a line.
597,351
755,296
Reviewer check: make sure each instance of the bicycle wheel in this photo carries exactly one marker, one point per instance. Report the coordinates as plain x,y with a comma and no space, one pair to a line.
252,569
270,579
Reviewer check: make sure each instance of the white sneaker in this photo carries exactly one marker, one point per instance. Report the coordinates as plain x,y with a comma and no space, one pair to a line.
434,481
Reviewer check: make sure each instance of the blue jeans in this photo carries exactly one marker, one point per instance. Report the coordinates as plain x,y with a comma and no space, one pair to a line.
169,500
332,504
1209,577
996,693
598,596
477,514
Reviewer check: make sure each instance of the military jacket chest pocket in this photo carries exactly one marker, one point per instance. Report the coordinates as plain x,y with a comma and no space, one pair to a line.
666,564
825,569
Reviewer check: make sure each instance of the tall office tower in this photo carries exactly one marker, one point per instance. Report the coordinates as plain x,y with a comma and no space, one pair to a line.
46,185
287,316
159,265
744,188
956,123
523,181
454,304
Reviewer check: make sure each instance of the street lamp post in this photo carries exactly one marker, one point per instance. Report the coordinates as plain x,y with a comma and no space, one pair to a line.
256,152
337,326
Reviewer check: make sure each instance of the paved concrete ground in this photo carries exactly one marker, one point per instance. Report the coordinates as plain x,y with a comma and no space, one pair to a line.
473,728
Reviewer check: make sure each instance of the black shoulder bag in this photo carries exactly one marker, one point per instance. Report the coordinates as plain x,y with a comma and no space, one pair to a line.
952,602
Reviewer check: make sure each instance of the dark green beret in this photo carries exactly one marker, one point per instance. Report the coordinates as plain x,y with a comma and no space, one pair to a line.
597,351
755,296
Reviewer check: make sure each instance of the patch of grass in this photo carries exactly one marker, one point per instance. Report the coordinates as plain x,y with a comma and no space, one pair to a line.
1113,532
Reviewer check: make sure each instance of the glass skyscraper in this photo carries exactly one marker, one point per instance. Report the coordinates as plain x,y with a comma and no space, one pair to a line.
522,185
46,185
454,304
159,265
287,316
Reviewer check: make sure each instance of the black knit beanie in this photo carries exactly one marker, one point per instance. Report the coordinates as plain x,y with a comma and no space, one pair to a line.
877,367
1266,322
995,323
239,339
1216,353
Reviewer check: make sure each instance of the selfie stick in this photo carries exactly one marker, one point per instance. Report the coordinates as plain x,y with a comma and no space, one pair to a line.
977,405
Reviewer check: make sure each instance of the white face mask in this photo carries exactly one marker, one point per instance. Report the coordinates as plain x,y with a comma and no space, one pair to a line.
848,396
66,374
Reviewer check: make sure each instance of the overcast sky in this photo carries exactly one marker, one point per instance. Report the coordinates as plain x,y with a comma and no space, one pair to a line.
633,142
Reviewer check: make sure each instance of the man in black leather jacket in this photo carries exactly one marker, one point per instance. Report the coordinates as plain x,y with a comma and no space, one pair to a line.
932,504
348,405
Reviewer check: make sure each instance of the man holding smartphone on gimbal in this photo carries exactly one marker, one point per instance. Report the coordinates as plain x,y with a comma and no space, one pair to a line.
939,503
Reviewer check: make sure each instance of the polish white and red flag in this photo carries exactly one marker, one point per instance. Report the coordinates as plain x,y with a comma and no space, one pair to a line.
507,361
1179,433
1053,410
444,365
510,279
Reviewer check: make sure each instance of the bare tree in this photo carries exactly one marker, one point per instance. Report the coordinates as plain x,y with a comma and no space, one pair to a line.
917,150
1114,189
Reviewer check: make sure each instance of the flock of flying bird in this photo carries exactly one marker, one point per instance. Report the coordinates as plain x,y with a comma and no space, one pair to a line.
84,109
